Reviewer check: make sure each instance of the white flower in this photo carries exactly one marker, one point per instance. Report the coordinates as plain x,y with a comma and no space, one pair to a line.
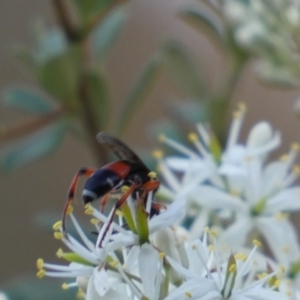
211,278
243,186
97,268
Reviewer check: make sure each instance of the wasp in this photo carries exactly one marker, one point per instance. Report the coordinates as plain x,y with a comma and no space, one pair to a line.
128,170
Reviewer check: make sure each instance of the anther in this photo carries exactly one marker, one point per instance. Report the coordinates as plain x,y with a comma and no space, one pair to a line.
59,253
69,210
94,221
41,273
89,211
193,137
157,154
64,286
57,225
124,188
161,138
152,175
256,243
40,263
188,294
58,235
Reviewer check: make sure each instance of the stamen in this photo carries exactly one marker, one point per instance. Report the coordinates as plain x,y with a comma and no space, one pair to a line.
58,235
180,148
188,294
66,286
89,210
158,154
152,175
40,264
94,221
69,210
124,188
193,137
59,253
235,127
41,273
57,225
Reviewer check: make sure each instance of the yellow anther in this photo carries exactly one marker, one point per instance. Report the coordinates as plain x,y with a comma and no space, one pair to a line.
276,283
124,188
64,286
236,114
89,211
234,193
211,248
58,235
262,275
193,137
161,138
214,233
206,229
80,294
188,294
162,255
284,157
288,293
69,210
240,256
158,154
296,169
256,243
281,216
57,225
295,146
232,268
282,269
119,213
41,273
40,264
94,221
59,253
114,263
152,175
242,107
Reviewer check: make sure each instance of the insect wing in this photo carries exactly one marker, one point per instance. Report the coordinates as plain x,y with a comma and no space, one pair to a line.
120,149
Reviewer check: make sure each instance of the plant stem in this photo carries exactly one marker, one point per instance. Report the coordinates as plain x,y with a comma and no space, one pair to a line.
74,35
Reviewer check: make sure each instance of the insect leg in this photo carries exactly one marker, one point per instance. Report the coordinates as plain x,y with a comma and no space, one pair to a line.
114,209
87,172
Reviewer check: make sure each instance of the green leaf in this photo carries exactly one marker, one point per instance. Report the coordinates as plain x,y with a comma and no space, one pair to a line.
27,100
107,32
50,44
203,22
60,77
99,98
183,69
140,90
38,145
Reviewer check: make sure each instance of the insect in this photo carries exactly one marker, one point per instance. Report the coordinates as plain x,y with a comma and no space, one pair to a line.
128,170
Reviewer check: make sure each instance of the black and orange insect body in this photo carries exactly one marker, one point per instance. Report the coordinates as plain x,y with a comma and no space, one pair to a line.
129,170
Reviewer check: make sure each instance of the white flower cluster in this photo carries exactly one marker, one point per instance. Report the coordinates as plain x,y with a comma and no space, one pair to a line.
269,29
240,196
